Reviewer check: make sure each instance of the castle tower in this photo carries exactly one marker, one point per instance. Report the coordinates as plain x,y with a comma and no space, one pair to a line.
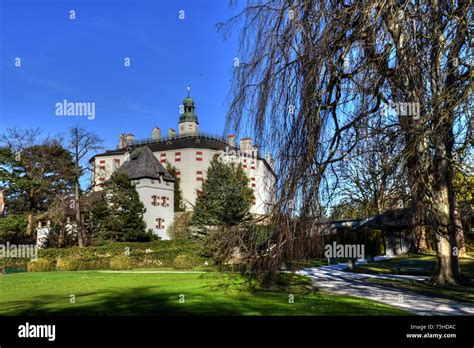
188,121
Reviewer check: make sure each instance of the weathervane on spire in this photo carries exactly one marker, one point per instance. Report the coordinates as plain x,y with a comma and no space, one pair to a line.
189,89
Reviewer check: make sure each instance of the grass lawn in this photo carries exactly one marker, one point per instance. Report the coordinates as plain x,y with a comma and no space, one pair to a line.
457,293
388,266
213,293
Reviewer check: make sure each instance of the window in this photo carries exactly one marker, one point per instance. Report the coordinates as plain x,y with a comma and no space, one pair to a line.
163,158
199,176
198,155
178,174
102,165
252,165
165,202
160,223
177,156
154,200
253,182
244,164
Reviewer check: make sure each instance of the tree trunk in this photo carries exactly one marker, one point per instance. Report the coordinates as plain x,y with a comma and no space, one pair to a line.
77,207
29,226
423,244
62,237
445,267
421,238
443,219
460,242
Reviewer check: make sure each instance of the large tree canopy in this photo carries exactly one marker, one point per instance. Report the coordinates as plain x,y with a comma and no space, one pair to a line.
225,199
314,71
33,175
118,213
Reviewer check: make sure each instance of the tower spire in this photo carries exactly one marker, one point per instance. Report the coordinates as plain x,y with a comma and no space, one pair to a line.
188,114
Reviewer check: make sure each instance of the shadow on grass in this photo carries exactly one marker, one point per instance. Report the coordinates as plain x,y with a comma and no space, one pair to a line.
146,300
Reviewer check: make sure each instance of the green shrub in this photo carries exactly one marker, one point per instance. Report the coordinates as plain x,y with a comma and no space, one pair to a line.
179,229
150,254
10,262
12,229
260,233
185,262
68,263
148,261
40,265
373,240
121,262
374,243
94,263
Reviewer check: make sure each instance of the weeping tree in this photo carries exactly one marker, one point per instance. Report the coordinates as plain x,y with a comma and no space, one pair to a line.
371,180
314,71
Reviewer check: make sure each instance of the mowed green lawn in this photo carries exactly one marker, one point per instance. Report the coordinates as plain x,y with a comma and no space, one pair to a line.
461,293
389,266
214,293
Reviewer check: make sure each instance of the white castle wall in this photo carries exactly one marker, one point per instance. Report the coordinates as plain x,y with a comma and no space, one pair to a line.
147,188
188,167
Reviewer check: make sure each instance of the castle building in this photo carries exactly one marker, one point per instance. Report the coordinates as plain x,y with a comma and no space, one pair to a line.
191,152
155,187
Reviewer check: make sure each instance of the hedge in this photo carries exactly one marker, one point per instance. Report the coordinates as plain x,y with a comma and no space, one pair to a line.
185,262
113,255
41,265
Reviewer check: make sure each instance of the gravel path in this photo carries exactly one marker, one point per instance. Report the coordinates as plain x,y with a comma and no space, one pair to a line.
333,279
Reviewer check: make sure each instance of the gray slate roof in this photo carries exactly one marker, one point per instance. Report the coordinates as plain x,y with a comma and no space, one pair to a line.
143,164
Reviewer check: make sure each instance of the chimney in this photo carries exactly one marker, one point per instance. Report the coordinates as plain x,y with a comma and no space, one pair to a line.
122,141
255,151
231,140
269,159
171,133
156,134
130,139
246,145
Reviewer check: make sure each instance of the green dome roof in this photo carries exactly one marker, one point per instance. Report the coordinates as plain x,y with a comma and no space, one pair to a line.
188,114
188,101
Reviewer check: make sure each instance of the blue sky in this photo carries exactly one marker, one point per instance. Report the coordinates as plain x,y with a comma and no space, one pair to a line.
82,60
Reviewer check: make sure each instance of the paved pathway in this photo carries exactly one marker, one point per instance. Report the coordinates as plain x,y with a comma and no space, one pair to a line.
332,278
